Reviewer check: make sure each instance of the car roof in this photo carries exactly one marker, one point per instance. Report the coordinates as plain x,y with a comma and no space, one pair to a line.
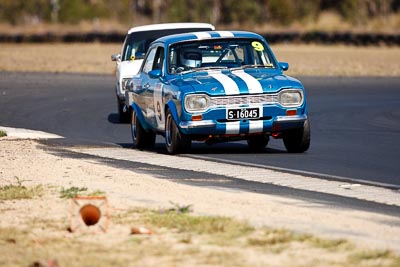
207,35
167,26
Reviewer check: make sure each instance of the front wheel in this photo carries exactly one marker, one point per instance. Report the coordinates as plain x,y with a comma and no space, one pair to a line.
298,140
141,139
175,141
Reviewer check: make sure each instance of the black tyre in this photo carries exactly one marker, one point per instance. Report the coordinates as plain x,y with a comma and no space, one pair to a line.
298,140
123,117
175,141
140,137
258,143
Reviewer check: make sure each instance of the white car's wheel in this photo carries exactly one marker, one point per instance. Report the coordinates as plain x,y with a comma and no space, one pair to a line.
123,117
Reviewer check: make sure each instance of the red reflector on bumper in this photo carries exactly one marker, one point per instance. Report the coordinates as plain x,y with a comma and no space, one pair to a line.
291,112
197,117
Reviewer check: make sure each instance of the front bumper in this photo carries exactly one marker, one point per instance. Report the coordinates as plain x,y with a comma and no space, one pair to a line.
288,119
197,124
211,127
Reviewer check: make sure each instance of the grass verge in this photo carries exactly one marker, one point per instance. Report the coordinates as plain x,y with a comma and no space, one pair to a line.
78,191
2,133
180,239
19,191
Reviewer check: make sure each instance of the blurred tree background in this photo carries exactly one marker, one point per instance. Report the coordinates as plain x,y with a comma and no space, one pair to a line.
219,12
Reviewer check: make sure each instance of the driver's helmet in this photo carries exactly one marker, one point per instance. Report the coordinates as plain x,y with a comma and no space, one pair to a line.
191,58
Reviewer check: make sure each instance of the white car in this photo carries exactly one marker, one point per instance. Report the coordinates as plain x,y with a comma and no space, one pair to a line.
135,46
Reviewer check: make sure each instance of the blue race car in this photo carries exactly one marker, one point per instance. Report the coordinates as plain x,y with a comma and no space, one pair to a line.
216,86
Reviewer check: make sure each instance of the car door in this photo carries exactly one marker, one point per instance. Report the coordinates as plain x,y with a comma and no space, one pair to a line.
157,87
152,87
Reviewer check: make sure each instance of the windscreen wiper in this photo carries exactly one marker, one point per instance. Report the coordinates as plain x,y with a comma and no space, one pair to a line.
203,69
211,68
254,66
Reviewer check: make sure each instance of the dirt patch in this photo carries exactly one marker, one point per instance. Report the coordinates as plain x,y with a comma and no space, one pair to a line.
340,60
315,60
275,230
74,58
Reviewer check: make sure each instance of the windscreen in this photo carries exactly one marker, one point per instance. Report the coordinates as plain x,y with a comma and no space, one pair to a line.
139,42
219,53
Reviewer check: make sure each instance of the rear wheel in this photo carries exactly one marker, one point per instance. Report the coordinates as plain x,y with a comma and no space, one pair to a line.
141,139
175,141
298,140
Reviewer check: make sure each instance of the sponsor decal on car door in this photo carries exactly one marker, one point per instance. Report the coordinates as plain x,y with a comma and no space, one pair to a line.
159,106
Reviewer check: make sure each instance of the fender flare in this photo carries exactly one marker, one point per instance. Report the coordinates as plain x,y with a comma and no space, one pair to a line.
172,107
139,116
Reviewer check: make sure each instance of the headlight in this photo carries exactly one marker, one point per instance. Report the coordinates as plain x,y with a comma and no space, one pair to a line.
196,103
291,98
125,83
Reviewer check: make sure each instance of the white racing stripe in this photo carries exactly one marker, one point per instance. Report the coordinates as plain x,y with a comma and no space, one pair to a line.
233,127
202,35
256,126
225,33
229,85
252,83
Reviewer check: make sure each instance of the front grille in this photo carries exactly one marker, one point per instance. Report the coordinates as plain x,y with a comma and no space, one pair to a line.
244,100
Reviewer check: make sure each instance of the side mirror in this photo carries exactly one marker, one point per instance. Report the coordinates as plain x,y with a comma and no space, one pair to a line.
284,66
154,74
116,57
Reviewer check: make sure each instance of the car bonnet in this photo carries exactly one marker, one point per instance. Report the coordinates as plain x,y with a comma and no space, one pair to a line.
236,82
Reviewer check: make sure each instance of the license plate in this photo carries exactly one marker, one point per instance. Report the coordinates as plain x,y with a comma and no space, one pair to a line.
242,113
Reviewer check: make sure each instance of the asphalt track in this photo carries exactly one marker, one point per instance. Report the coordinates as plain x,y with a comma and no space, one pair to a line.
355,123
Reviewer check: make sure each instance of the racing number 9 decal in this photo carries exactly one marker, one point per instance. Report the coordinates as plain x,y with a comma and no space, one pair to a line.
158,106
257,46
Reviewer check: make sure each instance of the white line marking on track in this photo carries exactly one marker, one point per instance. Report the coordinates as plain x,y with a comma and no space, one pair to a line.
251,172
